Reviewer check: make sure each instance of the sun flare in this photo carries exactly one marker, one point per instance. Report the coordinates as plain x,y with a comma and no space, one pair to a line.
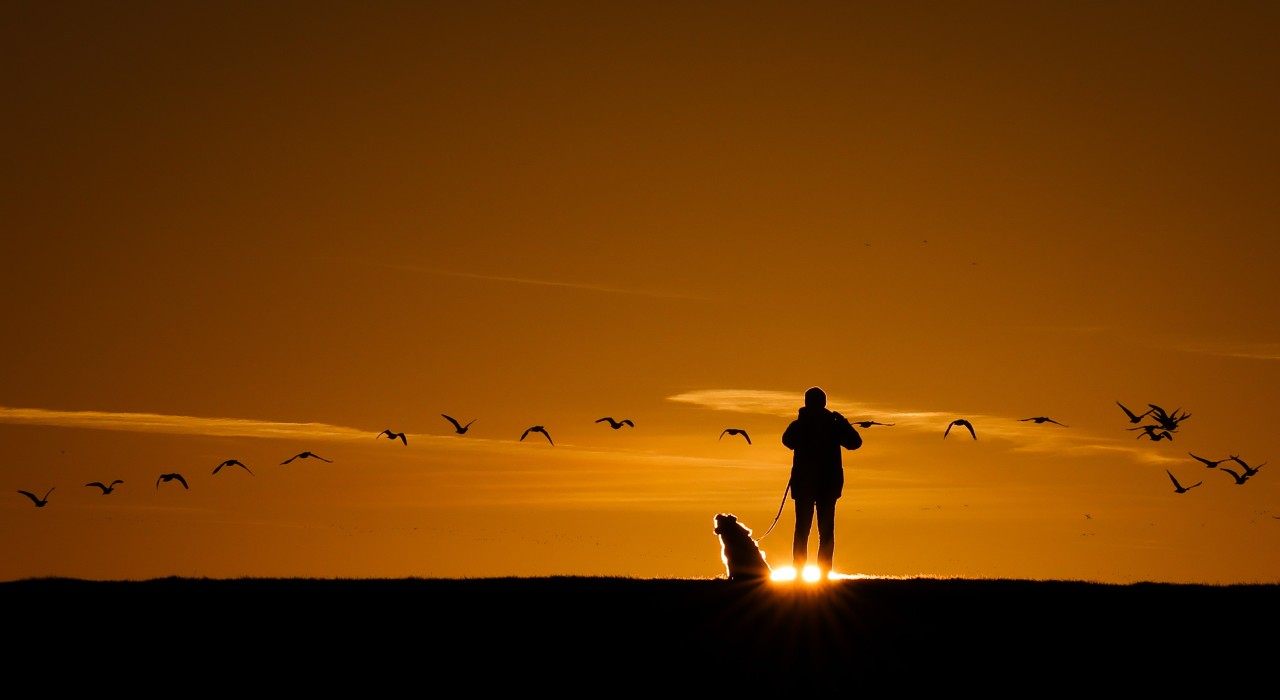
811,574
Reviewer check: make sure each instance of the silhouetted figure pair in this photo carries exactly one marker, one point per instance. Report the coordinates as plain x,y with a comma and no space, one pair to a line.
816,438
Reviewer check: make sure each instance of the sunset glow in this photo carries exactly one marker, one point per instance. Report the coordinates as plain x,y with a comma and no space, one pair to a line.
246,232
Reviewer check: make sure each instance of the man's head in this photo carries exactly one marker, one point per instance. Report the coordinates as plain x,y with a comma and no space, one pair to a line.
815,398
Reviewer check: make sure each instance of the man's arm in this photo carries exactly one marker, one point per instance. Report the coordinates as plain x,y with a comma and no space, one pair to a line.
850,438
789,436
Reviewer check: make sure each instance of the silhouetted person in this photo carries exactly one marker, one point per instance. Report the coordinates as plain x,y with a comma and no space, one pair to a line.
815,438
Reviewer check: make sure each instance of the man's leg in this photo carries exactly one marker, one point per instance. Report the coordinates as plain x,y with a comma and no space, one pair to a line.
800,543
826,535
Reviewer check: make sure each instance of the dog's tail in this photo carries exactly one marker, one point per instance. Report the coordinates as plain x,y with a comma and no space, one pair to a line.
781,506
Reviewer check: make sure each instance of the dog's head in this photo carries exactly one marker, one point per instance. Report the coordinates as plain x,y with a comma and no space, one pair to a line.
727,524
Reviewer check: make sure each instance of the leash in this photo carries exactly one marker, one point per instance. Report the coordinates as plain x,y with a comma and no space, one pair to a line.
781,506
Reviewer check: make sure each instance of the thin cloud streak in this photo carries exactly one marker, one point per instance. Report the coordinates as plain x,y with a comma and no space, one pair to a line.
542,283
1024,438
177,425
1248,351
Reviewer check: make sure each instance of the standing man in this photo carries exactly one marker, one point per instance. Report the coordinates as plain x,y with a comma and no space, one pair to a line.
817,475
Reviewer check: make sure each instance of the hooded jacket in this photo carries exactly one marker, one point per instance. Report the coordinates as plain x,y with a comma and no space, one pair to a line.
815,438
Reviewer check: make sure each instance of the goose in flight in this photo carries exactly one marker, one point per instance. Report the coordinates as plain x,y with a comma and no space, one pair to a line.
1042,419
458,427
735,431
40,502
1134,417
305,455
615,424
1168,421
1179,488
1240,478
864,424
962,423
537,429
1248,470
172,477
232,463
1150,431
106,488
1210,463
392,435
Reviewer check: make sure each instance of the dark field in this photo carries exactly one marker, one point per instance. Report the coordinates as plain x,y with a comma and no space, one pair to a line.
628,637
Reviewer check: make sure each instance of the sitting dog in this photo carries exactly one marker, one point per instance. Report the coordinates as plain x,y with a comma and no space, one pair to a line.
742,557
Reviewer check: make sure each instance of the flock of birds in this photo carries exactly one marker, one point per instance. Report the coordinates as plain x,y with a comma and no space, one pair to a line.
1164,424
1162,427
458,427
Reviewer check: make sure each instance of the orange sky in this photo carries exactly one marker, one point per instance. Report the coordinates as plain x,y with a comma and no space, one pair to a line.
244,231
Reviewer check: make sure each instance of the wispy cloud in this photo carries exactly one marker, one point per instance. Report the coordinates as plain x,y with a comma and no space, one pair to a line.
754,401
583,286
179,425
1246,351
1016,434
786,403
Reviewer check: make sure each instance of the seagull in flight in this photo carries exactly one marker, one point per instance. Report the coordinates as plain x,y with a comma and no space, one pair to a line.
1210,463
537,429
864,424
392,435
1179,488
963,423
172,477
735,431
1042,419
106,488
232,463
305,455
40,502
458,427
1134,417
615,424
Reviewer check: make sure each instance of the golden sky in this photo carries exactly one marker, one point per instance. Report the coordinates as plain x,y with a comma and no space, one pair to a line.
239,230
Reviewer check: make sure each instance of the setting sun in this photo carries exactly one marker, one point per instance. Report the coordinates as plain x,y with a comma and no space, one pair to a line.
811,574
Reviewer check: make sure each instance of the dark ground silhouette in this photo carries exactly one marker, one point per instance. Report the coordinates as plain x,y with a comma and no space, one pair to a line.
636,637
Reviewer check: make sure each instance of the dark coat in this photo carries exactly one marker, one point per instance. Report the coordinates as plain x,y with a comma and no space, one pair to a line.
815,439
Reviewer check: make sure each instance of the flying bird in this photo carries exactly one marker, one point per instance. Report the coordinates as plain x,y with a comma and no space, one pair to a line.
615,424
1134,417
305,455
172,477
232,463
868,423
106,488
392,435
735,431
1248,470
1179,488
1042,419
537,429
40,502
1240,478
1210,463
458,427
1150,431
963,423
1168,421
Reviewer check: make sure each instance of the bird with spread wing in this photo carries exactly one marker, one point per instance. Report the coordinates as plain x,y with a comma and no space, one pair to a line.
40,502
106,488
